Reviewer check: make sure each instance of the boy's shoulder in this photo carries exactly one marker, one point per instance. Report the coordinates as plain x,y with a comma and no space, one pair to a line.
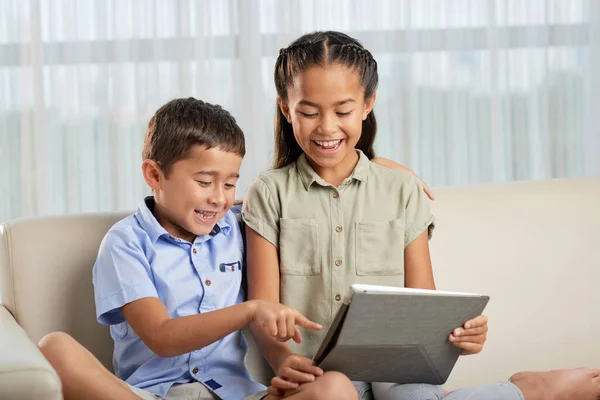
127,230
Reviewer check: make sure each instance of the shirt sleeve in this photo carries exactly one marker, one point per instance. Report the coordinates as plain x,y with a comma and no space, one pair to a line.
418,213
261,213
121,275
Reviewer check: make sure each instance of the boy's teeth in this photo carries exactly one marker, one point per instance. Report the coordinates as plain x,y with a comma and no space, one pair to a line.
206,214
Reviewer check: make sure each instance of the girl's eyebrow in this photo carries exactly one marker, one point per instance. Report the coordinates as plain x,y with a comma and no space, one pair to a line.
339,103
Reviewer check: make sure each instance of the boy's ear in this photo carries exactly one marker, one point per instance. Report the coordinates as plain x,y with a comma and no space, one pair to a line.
285,110
369,104
152,174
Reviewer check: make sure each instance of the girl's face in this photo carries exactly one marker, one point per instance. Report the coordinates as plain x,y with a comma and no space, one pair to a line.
326,107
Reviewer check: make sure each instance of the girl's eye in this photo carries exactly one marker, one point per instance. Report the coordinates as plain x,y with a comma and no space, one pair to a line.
344,114
307,115
202,183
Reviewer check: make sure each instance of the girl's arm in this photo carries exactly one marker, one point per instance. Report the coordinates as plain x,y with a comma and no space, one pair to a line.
263,284
418,272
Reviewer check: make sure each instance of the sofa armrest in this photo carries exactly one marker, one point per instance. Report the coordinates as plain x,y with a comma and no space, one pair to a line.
24,372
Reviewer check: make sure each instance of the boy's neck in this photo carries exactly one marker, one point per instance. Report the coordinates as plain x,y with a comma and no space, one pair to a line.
337,174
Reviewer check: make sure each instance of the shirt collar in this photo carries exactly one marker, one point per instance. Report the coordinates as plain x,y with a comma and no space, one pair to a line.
154,229
309,176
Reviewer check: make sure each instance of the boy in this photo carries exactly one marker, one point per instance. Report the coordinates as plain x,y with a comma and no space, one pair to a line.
168,278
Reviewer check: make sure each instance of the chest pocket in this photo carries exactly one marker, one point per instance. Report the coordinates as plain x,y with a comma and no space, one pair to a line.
299,247
379,248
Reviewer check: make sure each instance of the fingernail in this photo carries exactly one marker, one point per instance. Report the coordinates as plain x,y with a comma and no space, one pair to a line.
457,332
468,326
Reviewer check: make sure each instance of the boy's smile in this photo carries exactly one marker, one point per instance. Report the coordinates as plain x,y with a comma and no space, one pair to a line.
196,192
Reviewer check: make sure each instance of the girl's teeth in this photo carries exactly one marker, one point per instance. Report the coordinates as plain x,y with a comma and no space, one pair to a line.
329,143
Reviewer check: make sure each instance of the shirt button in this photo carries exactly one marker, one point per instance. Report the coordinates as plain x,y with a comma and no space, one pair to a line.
338,262
208,282
338,229
195,370
194,250
335,195
337,298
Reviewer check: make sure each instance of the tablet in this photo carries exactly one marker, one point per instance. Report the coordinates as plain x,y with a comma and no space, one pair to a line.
393,334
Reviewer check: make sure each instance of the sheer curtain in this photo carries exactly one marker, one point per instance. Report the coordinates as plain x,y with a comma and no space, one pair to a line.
472,91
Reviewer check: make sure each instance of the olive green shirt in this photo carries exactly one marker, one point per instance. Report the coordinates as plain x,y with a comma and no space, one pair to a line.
331,237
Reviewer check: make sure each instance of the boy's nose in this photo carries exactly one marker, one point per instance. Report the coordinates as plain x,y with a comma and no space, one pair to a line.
217,197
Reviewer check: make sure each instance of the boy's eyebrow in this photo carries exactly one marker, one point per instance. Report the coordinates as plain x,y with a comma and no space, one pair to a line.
311,104
215,173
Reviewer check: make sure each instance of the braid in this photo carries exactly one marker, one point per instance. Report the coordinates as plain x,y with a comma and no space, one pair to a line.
359,53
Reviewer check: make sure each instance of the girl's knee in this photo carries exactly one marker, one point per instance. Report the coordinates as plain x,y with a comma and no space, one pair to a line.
335,386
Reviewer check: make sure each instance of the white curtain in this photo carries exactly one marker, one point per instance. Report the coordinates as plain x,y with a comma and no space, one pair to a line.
471,91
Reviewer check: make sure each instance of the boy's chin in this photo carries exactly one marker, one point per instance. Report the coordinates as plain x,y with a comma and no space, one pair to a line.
202,231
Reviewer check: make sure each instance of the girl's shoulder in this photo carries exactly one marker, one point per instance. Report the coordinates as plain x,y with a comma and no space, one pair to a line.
277,176
276,182
391,174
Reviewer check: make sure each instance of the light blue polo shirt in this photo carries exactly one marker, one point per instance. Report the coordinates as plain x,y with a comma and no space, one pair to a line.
138,258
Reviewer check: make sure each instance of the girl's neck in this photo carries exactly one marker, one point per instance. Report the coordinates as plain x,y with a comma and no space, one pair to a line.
337,174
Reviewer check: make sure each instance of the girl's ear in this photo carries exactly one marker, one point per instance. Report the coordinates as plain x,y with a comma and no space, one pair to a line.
152,174
285,110
369,104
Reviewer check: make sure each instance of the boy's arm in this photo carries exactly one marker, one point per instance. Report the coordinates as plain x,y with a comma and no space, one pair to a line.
169,337
384,162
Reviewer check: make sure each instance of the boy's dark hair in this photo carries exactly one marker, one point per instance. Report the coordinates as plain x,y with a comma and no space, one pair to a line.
321,48
183,123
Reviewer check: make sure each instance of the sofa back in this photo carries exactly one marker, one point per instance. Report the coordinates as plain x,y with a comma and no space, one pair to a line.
534,247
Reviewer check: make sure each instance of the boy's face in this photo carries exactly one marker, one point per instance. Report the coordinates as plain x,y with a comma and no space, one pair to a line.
198,192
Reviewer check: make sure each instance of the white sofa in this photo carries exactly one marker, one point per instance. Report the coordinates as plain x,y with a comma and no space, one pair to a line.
534,247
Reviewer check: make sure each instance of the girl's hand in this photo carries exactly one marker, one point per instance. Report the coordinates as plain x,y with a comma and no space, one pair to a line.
471,336
294,371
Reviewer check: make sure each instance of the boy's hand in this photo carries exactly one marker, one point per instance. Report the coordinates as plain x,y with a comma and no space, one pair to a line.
294,371
471,336
280,320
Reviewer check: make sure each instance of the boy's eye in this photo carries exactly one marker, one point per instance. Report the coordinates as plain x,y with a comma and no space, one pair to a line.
229,185
344,114
202,183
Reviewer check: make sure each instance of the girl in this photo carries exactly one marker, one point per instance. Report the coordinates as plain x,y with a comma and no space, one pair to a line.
326,216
